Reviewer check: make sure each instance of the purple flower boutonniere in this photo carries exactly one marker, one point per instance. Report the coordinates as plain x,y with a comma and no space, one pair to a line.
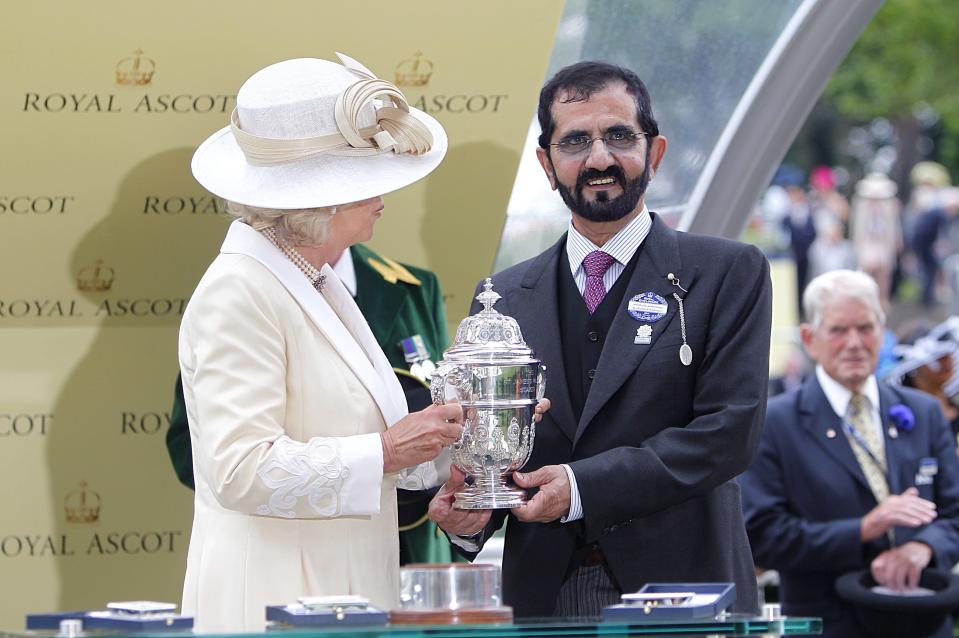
902,417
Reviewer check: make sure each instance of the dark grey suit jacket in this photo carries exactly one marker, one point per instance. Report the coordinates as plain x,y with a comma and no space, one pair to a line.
659,443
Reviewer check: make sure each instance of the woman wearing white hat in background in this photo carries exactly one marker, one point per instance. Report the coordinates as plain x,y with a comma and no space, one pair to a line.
876,230
927,357
299,427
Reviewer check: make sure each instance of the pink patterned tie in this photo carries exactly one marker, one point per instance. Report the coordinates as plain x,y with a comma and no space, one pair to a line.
595,264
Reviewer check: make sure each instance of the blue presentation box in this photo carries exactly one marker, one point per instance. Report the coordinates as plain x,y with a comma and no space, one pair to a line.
700,601
40,622
111,621
302,616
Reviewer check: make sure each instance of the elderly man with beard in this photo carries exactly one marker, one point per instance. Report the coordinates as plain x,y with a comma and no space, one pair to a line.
656,344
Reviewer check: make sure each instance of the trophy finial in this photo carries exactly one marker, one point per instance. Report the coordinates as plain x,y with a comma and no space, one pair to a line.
488,297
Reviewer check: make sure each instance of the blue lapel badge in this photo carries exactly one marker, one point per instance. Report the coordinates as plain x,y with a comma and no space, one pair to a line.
648,307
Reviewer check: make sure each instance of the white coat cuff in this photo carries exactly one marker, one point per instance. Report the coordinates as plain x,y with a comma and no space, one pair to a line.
426,475
363,455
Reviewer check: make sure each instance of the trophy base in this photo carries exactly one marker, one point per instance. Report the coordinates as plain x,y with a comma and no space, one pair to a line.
451,616
480,499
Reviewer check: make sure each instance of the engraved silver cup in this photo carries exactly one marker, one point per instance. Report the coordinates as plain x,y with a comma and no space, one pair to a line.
492,373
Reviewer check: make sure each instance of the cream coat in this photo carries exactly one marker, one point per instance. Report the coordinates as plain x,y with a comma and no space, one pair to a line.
285,406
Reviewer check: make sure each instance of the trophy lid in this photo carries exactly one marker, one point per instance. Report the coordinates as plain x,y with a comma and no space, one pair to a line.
488,334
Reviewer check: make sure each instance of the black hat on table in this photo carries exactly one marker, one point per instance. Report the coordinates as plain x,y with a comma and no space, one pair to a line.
884,615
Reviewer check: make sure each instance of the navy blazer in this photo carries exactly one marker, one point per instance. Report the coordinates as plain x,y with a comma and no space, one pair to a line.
658,443
805,495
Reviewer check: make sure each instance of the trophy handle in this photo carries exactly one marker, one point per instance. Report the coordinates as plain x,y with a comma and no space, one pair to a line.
451,385
541,382
529,447
436,386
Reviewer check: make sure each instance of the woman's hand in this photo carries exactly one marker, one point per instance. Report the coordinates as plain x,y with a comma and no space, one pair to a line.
421,436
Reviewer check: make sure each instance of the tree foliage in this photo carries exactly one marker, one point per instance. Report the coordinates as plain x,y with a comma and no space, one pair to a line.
906,56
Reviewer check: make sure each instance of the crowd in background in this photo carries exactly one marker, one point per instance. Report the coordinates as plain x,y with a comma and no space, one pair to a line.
825,223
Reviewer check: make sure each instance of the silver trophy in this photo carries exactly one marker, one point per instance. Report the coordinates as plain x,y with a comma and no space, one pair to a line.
491,372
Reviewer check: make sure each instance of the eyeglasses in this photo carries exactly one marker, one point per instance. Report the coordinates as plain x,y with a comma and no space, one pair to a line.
614,140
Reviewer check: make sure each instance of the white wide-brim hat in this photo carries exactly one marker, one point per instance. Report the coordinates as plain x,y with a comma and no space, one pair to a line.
294,103
924,352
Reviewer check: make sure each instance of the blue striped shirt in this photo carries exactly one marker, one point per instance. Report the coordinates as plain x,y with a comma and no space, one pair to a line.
621,247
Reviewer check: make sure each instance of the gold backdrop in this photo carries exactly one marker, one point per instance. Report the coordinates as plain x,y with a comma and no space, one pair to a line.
104,233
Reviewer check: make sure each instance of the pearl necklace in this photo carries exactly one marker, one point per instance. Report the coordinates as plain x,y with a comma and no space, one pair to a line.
308,269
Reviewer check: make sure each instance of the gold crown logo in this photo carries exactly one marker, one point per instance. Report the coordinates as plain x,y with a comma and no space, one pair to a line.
82,505
135,70
414,71
95,278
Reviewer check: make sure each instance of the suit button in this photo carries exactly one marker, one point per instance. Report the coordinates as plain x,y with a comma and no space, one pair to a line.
592,336
591,373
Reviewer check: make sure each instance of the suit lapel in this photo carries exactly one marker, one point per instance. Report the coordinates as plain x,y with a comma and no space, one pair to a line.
358,348
621,357
825,429
536,308
894,446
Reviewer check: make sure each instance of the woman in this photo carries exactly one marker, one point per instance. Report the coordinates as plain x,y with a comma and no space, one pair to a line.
931,378
298,424
876,231
927,364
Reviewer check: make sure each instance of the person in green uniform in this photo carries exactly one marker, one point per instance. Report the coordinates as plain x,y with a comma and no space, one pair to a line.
404,308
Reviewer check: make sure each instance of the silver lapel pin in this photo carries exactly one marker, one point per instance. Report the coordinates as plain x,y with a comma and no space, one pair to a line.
685,352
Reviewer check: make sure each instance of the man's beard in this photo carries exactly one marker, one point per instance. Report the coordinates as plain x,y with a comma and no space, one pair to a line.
604,209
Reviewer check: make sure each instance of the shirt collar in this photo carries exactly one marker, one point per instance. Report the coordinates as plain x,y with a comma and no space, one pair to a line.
345,271
621,246
839,396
